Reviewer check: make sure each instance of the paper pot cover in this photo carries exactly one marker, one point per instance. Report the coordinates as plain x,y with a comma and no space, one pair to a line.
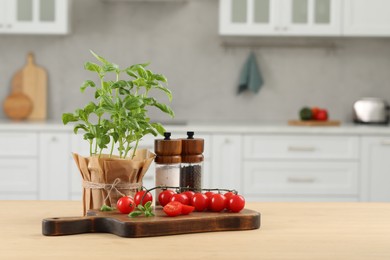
106,179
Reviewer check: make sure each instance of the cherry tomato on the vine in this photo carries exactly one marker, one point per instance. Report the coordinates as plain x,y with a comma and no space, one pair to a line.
165,196
236,203
138,196
190,194
209,194
182,198
125,204
218,202
228,195
200,201
173,208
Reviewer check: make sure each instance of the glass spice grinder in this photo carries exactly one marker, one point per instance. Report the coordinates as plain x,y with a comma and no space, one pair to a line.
168,158
191,169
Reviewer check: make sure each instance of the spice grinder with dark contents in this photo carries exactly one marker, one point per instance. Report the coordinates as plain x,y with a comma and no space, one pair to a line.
191,167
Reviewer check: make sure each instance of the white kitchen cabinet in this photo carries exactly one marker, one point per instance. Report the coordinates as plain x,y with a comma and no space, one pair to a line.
375,168
280,17
226,161
18,178
301,147
366,18
301,167
314,180
18,165
34,16
54,168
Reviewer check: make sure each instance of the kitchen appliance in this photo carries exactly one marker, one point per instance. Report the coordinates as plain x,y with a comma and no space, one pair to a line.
371,111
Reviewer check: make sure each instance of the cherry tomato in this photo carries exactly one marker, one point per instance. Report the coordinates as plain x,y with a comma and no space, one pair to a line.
200,201
173,208
182,198
228,195
218,202
165,196
138,196
190,194
125,205
209,194
236,203
187,209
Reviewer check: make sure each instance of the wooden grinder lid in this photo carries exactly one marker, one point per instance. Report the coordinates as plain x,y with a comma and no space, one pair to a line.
192,149
167,150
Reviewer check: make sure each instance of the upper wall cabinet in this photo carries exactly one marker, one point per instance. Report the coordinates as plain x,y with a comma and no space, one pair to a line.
34,16
280,17
366,18
305,17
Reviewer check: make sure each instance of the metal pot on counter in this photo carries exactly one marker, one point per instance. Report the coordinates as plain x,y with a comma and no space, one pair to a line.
371,111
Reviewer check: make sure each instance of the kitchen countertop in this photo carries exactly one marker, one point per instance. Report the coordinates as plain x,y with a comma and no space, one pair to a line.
288,231
268,128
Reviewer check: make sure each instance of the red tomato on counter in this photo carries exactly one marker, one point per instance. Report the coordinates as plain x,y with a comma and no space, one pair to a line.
314,112
322,115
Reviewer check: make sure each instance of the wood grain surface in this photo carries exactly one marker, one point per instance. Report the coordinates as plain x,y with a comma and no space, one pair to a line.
31,80
289,231
161,225
314,123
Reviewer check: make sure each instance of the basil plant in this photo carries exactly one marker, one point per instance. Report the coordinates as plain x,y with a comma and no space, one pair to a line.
118,117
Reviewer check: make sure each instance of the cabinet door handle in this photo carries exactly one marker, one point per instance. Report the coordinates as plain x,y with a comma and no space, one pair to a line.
385,142
301,179
301,148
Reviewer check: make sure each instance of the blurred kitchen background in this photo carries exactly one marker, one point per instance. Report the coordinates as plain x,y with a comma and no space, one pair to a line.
182,40
314,53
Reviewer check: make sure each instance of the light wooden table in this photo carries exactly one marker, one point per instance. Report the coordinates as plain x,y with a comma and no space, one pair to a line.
288,231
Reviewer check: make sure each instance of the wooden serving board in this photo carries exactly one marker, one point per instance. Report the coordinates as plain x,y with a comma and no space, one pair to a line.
113,222
31,80
314,123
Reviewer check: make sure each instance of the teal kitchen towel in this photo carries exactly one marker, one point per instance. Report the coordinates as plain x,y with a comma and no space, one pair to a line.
250,77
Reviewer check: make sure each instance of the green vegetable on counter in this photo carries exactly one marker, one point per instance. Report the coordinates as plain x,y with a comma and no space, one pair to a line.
305,114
